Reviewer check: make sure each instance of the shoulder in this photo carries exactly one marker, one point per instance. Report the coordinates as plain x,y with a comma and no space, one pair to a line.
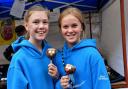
17,58
94,55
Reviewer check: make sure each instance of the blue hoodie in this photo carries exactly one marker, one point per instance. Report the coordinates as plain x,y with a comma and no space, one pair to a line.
90,68
29,67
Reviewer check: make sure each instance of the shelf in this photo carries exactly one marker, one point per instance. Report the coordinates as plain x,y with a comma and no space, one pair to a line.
121,84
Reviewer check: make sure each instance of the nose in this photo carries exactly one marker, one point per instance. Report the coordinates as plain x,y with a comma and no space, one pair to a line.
41,25
70,29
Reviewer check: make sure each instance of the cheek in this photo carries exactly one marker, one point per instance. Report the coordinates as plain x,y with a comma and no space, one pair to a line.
47,28
29,29
79,30
62,31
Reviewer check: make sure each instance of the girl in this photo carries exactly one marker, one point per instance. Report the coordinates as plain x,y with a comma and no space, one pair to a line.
82,53
29,66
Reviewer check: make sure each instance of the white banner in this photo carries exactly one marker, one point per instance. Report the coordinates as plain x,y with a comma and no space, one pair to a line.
17,9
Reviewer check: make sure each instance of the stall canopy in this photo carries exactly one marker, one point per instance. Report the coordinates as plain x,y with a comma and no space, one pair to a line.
83,5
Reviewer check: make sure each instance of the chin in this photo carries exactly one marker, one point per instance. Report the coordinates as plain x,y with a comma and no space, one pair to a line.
71,41
41,38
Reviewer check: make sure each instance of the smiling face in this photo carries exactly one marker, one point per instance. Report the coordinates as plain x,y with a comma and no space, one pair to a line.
37,26
71,29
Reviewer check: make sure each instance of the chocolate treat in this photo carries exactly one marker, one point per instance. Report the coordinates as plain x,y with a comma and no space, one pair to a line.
69,69
51,52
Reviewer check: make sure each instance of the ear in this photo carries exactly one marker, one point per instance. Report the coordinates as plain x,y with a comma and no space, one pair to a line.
26,26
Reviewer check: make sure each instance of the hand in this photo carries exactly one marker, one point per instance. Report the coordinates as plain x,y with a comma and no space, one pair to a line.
52,70
65,81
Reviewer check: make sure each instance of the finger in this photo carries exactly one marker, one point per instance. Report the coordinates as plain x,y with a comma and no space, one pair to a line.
65,77
65,85
52,65
52,68
53,72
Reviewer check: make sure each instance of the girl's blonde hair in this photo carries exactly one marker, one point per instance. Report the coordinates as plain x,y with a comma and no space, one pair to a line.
75,12
34,8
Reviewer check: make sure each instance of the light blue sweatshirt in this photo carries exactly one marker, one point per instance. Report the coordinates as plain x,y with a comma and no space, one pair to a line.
29,67
90,68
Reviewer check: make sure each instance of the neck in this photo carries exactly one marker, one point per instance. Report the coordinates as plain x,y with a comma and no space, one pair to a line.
72,44
38,44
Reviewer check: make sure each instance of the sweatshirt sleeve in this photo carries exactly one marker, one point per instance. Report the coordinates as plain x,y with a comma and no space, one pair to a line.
16,79
99,74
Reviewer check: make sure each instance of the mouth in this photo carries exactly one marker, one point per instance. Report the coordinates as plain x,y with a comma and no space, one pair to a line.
71,35
40,32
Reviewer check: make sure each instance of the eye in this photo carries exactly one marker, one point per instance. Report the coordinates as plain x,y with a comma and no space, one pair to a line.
74,25
45,22
65,26
36,21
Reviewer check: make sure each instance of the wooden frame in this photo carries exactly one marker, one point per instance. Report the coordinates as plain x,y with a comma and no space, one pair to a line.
123,84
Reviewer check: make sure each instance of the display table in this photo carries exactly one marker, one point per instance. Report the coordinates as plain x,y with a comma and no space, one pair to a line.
3,75
3,84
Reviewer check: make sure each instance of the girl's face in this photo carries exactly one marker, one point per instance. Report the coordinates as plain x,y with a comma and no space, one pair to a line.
71,29
37,26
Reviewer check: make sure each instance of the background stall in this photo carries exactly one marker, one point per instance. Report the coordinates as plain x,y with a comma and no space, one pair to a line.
106,21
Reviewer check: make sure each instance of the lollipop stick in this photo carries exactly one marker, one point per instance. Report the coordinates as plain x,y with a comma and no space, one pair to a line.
72,78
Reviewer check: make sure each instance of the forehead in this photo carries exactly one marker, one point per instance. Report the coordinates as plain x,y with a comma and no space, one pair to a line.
70,18
38,15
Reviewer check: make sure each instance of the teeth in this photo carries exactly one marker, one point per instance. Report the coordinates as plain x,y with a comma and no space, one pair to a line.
71,35
41,32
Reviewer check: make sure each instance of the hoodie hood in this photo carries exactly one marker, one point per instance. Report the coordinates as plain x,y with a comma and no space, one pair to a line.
17,44
23,42
83,43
